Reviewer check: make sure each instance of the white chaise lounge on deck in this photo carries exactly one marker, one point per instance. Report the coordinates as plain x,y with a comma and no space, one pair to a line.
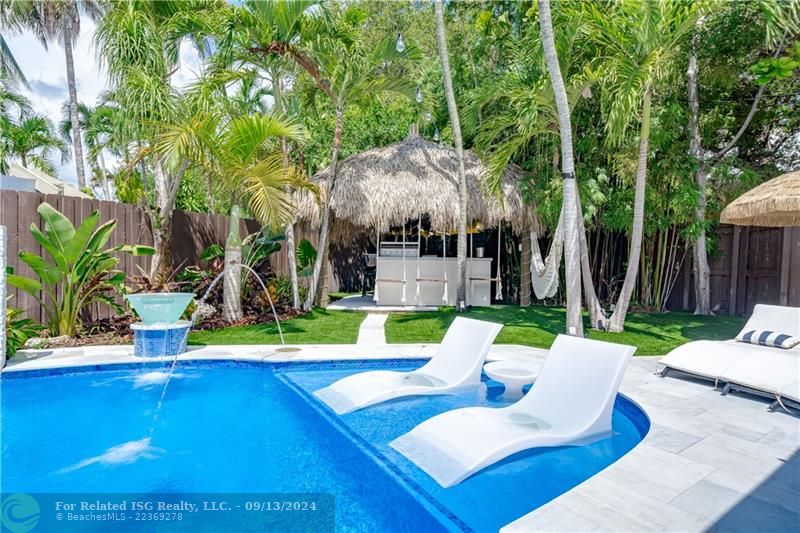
765,370
570,404
456,364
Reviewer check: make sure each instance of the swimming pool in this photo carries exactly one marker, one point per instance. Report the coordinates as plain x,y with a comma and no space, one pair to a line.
255,427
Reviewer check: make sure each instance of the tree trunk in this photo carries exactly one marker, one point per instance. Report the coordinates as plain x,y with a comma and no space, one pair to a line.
617,322
161,265
525,270
291,247
320,275
461,285
104,182
702,272
166,189
77,143
212,204
597,317
232,279
570,202
277,93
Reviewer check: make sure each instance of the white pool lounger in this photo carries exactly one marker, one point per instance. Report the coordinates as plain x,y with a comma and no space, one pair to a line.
456,364
570,404
764,370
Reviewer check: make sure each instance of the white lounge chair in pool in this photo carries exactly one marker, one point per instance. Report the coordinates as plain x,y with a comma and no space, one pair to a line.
570,404
456,364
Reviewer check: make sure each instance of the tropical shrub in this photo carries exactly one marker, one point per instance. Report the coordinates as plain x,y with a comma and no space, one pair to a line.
306,256
78,272
280,291
18,330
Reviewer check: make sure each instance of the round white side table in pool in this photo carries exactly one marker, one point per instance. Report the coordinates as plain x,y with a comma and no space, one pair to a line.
513,375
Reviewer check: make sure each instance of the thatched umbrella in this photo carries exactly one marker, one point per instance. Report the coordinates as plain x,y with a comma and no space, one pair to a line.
390,185
775,203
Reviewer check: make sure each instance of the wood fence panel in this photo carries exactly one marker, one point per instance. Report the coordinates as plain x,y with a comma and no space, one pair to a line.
26,209
192,233
763,268
752,265
10,219
793,293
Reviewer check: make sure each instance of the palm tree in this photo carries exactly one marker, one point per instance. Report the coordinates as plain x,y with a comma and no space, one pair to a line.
139,43
13,15
13,107
242,153
639,40
97,124
569,208
328,48
441,39
259,24
32,139
515,115
60,20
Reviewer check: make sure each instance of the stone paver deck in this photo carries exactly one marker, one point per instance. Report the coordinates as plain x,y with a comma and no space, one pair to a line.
709,462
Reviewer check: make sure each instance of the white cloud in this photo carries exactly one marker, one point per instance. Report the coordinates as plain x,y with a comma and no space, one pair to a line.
46,73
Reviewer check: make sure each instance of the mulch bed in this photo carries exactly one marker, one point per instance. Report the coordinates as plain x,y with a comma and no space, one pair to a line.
116,330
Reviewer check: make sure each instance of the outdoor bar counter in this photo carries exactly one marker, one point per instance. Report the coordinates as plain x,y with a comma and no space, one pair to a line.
428,272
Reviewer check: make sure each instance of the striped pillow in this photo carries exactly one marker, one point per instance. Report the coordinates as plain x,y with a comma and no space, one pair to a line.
769,338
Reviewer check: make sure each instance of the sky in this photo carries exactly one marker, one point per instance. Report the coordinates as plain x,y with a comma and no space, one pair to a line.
46,74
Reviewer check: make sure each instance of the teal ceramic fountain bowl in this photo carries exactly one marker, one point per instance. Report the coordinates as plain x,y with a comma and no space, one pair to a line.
160,307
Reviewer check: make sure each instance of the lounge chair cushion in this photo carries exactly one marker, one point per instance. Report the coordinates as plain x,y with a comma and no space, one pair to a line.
768,372
791,391
774,339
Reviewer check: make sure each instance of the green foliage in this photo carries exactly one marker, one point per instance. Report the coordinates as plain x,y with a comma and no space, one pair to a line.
78,271
280,290
778,68
368,124
257,247
18,330
306,256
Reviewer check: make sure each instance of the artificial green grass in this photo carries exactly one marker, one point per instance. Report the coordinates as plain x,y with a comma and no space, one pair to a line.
652,334
316,327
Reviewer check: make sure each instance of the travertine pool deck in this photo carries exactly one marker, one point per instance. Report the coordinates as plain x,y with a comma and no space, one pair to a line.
709,462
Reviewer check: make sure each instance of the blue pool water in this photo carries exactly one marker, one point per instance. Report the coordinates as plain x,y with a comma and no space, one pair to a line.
235,427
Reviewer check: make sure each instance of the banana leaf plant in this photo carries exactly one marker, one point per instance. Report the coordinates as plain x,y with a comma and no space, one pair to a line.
78,271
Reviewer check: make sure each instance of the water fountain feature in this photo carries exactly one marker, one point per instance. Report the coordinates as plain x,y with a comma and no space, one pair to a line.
162,333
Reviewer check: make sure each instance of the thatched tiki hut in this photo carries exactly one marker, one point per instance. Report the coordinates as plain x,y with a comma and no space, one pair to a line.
403,183
775,203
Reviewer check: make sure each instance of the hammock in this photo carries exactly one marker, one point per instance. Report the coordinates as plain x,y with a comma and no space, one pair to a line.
544,273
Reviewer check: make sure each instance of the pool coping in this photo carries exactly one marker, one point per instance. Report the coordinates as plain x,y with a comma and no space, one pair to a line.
707,461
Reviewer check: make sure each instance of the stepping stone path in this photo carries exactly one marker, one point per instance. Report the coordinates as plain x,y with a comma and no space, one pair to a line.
371,330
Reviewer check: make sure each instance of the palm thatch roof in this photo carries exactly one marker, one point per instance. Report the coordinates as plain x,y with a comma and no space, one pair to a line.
391,185
775,203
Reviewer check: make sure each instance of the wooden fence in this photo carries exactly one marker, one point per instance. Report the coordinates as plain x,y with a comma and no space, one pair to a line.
753,265
192,233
